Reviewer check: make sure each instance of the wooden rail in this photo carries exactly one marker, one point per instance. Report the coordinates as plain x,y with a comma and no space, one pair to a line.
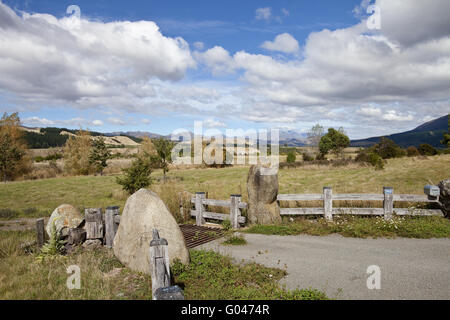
388,197
234,204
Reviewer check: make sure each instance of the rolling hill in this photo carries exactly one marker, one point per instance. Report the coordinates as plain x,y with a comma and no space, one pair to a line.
430,132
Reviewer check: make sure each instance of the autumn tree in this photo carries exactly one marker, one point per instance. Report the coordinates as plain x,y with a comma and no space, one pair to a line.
76,154
315,134
13,158
99,154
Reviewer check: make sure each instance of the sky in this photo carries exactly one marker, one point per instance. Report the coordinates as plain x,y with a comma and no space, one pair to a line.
159,66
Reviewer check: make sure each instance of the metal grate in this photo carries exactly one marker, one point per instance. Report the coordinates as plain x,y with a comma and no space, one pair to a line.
197,235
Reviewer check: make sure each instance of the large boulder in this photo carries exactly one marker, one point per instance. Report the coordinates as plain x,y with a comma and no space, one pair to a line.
444,197
65,216
262,191
143,212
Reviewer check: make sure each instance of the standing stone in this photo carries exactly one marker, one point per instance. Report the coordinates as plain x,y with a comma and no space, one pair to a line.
444,196
262,190
65,216
143,212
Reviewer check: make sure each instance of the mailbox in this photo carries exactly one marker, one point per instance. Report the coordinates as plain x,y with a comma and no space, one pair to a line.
432,191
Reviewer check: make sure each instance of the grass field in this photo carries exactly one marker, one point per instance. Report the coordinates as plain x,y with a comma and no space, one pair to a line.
40,197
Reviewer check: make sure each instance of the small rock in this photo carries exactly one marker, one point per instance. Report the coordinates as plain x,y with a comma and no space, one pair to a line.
93,244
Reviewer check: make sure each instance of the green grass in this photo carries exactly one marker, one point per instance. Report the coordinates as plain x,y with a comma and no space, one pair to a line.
209,276
358,227
212,276
235,240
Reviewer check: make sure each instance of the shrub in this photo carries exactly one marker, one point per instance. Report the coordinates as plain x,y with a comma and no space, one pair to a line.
369,156
412,151
387,149
307,157
291,157
137,176
427,150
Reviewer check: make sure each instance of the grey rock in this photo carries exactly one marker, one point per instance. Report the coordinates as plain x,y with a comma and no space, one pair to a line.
444,196
65,216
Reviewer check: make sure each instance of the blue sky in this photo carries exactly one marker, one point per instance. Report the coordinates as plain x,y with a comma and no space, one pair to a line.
231,64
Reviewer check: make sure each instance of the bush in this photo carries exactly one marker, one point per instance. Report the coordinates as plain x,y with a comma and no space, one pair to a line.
371,157
291,157
412,151
137,176
387,149
427,150
307,157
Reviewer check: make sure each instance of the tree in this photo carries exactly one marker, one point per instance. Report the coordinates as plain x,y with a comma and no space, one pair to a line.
13,158
315,134
76,154
163,148
427,150
291,157
99,154
412,151
334,141
387,149
137,176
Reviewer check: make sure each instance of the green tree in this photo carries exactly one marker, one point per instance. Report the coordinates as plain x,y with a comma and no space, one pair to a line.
291,157
334,141
163,158
387,149
427,150
99,154
13,158
137,176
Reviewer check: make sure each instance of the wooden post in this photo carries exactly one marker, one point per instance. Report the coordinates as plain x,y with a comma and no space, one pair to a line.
199,208
181,207
234,210
94,223
328,203
388,203
159,263
110,227
40,231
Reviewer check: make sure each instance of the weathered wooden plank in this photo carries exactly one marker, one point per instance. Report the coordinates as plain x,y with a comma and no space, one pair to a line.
359,211
359,196
301,211
328,203
299,197
110,227
94,223
234,211
418,212
217,216
199,209
40,232
388,202
117,219
220,203
413,198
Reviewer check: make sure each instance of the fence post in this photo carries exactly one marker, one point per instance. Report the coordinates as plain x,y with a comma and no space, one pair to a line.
94,223
328,203
388,203
234,210
199,196
110,226
40,232
159,263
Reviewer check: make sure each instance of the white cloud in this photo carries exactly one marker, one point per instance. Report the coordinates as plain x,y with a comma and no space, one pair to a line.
199,45
285,12
283,42
213,123
97,123
217,59
53,61
145,121
36,121
116,121
263,13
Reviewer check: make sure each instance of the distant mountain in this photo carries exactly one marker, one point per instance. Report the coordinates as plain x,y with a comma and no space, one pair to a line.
430,132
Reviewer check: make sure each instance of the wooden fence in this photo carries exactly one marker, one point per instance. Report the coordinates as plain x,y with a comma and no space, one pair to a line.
388,197
235,204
